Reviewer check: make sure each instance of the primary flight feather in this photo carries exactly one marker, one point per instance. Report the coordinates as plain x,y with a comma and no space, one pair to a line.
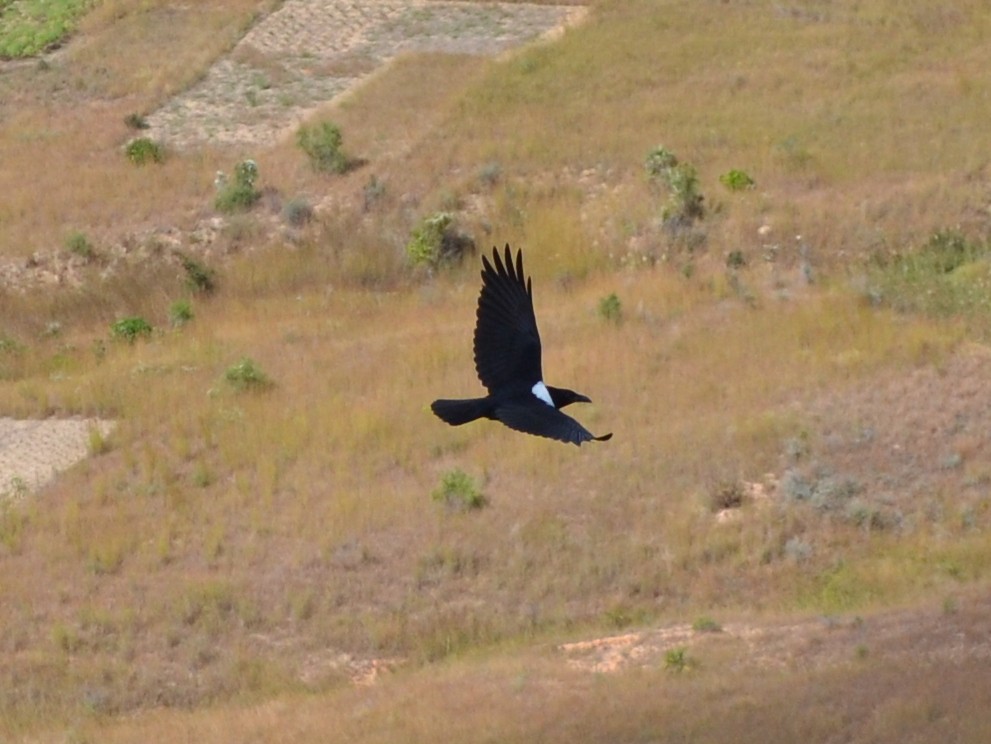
507,360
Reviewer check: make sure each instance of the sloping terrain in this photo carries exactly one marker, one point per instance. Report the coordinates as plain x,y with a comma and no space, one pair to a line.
787,538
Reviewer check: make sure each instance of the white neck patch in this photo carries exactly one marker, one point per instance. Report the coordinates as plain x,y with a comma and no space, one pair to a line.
541,391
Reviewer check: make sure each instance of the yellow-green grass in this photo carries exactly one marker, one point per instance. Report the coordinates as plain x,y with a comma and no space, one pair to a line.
227,538
268,524
530,696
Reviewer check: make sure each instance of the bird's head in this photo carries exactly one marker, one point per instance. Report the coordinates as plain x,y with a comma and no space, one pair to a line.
563,397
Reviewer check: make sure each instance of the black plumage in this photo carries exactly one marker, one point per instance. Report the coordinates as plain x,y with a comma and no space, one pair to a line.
507,360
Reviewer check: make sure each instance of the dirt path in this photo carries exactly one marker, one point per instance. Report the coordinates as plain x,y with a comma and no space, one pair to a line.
310,51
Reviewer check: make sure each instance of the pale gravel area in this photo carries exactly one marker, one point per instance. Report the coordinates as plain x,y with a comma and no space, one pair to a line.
34,451
310,51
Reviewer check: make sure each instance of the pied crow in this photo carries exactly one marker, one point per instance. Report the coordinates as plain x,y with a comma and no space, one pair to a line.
507,360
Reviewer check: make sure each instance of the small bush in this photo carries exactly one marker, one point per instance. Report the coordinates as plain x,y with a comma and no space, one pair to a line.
143,150
610,308
297,212
78,244
238,195
458,492
372,192
684,205
135,121
490,174
435,242
322,144
130,329
676,659
97,442
246,375
706,624
199,278
727,495
735,260
658,161
736,180
180,313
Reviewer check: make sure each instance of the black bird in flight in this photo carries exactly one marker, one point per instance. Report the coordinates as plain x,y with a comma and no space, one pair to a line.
507,359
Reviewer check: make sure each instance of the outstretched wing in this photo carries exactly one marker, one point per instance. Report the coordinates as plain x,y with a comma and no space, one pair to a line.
545,421
507,344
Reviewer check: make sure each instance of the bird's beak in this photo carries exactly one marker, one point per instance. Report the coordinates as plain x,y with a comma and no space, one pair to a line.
582,399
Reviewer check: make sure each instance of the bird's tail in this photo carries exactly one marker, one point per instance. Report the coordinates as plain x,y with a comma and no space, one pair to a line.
457,412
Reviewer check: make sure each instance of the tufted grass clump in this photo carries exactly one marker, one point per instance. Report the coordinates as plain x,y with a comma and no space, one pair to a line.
737,180
949,274
180,313
246,376
610,308
144,150
459,492
78,244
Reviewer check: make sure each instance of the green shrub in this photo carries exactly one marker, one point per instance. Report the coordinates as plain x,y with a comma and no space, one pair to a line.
706,624
458,492
180,313
199,278
78,244
684,205
735,260
130,329
435,242
246,375
610,308
143,150
736,180
685,202
238,195
676,659
658,162
322,144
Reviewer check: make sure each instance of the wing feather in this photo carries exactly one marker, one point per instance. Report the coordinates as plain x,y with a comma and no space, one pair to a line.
506,342
545,421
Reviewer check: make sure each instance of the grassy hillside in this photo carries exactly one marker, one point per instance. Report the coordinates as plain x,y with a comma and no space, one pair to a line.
238,549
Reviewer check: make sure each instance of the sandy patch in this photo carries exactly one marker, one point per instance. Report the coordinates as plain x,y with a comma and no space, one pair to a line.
309,51
34,451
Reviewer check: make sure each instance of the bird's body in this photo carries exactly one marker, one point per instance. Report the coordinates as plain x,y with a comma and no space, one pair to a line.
507,360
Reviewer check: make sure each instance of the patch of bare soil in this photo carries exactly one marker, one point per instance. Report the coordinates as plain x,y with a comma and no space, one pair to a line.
951,633
33,452
310,51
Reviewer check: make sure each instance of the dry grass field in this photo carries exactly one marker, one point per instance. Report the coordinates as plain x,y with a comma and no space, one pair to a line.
788,537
